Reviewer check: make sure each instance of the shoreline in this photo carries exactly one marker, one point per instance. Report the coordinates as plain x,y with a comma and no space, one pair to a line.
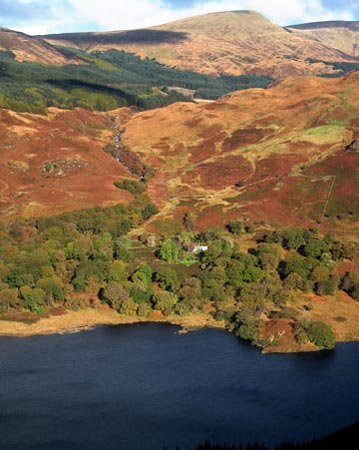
76,321
88,319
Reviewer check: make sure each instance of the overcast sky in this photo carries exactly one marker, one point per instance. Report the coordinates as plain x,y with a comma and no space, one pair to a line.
60,16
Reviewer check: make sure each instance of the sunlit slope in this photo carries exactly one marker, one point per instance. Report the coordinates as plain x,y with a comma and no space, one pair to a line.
238,42
53,164
277,155
28,48
341,35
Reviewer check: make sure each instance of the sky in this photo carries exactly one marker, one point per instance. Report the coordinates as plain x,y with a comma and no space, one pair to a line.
63,16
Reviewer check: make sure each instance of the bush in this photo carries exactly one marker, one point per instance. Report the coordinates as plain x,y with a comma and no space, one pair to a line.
140,296
301,336
115,295
169,251
288,313
77,303
133,186
315,248
321,335
128,307
350,284
235,227
165,301
148,211
248,331
144,309
327,287
183,307
188,221
53,286
8,298
34,299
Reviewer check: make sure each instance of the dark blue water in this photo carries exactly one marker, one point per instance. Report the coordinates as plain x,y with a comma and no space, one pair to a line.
140,387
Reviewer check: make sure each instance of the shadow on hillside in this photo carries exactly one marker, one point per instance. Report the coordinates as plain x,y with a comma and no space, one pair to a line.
94,87
141,36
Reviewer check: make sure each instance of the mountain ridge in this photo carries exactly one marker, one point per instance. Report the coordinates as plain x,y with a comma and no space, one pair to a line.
239,42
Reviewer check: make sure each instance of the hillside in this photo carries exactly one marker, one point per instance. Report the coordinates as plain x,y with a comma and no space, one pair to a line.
341,35
276,155
249,163
107,80
238,42
27,48
56,163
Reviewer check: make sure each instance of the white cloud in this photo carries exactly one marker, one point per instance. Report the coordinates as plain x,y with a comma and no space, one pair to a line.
122,14
91,15
281,12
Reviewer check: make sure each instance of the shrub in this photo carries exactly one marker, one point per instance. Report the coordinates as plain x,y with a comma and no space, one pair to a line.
169,251
148,211
165,301
143,310
128,307
8,298
301,336
77,303
140,296
34,299
167,279
235,227
315,248
350,284
288,313
133,186
188,221
321,335
115,295
327,287
248,331
53,286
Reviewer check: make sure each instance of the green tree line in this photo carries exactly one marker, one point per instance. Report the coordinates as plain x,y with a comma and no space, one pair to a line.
105,81
65,260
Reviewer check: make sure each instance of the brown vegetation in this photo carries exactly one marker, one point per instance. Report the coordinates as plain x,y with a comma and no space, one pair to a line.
28,48
56,163
74,321
275,155
237,42
341,35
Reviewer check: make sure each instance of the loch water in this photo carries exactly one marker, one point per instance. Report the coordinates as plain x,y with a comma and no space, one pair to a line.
145,386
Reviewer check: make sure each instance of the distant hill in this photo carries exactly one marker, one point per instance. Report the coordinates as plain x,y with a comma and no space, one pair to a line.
339,34
27,48
237,42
